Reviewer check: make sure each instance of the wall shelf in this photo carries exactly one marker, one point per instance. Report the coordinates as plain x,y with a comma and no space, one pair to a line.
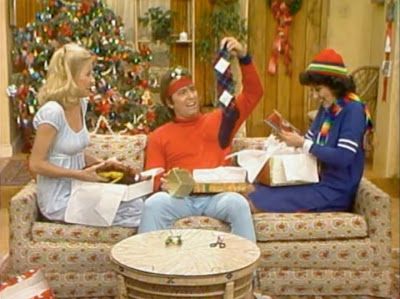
176,52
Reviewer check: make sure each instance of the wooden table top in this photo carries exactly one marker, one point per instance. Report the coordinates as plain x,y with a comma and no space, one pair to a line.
194,257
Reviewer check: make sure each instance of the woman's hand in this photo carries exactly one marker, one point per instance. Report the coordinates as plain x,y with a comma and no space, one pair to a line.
90,175
233,46
291,138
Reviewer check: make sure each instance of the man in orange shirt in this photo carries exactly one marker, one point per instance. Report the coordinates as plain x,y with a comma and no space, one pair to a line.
191,141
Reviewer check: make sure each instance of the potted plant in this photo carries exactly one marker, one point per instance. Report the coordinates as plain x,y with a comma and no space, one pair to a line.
224,20
160,22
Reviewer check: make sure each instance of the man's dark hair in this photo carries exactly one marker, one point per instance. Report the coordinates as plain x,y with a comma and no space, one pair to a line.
166,79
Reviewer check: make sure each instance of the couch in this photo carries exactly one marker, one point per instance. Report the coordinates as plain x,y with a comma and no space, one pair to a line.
301,253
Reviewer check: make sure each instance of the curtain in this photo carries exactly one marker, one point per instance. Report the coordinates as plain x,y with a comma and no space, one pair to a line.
128,9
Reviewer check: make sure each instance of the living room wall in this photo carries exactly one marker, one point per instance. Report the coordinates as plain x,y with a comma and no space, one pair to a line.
8,133
354,28
363,23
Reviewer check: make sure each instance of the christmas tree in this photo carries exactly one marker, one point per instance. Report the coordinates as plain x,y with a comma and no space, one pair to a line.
123,84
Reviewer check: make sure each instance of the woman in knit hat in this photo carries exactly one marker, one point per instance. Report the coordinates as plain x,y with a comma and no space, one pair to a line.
335,138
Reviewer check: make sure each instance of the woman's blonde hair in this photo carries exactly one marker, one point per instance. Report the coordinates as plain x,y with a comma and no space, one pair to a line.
65,65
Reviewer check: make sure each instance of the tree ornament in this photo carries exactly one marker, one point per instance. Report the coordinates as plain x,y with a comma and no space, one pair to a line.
121,72
104,106
144,83
150,116
86,6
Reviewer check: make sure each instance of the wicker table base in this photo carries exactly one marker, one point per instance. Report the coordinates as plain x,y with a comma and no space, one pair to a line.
193,269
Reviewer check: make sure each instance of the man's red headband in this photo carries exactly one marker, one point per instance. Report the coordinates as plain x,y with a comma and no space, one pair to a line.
178,84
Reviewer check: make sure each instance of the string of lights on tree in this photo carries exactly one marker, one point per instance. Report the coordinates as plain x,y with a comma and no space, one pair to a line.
123,82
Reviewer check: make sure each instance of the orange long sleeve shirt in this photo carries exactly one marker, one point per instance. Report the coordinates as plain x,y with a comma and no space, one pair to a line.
194,143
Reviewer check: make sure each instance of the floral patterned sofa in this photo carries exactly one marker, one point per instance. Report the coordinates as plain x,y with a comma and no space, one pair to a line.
302,253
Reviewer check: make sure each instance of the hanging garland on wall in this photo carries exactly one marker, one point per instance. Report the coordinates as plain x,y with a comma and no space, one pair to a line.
283,12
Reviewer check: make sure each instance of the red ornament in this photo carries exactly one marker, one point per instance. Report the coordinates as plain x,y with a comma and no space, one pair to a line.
18,64
65,29
144,49
50,32
22,92
86,6
150,116
144,83
103,107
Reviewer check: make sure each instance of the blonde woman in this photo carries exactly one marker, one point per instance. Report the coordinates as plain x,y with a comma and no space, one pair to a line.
61,136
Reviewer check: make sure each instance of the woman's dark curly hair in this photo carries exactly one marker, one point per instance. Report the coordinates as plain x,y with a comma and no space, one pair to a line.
340,86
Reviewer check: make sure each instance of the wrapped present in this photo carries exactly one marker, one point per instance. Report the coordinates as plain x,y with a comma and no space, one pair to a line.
222,187
179,182
96,204
222,174
278,123
119,173
289,169
29,285
278,164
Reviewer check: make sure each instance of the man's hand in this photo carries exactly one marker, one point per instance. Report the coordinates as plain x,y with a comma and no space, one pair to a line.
291,138
233,46
164,183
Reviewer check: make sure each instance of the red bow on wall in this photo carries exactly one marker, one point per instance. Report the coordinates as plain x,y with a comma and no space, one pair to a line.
281,44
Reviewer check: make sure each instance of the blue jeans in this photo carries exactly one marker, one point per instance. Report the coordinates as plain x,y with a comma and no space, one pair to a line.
161,211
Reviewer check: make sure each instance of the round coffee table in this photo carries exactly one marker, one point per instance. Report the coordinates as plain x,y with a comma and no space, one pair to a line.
186,263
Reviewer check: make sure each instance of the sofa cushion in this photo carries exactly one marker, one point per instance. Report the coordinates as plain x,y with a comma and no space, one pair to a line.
84,284
321,254
309,226
57,232
127,148
202,222
316,283
290,227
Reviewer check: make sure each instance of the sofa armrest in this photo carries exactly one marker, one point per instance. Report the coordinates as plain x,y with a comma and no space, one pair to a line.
23,213
375,206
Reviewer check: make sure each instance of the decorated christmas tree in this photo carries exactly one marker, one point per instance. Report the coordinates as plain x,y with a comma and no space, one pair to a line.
123,85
